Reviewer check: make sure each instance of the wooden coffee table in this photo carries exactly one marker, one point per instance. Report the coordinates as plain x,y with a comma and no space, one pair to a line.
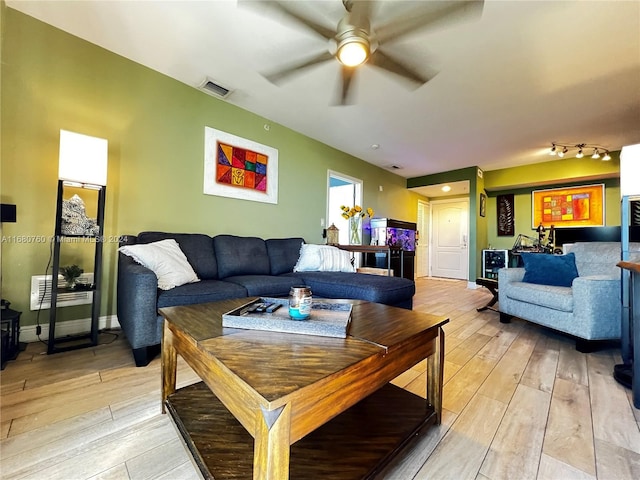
274,405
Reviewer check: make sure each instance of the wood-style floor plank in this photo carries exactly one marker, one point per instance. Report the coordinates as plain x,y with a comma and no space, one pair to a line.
519,402
515,450
569,436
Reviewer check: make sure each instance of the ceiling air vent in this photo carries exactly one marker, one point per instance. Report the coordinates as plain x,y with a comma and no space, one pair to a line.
214,88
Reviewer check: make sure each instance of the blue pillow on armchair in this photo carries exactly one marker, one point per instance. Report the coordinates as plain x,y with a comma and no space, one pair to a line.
545,269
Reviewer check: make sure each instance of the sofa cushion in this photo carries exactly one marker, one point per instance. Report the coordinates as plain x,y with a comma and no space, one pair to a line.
544,269
373,288
201,292
241,256
557,298
166,260
267,285
283,254
198,249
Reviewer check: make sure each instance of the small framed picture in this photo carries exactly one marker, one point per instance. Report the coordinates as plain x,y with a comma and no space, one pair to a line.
483,204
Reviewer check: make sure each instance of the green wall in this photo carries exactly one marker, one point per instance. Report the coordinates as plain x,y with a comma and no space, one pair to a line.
155,127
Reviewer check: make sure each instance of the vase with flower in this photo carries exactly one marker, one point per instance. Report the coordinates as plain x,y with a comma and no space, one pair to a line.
355,215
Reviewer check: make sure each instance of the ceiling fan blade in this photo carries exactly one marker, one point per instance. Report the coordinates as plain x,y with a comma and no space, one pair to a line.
429,16
276,77
346,76
384,61
283,7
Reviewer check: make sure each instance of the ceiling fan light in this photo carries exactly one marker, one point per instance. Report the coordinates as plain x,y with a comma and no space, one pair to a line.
353,52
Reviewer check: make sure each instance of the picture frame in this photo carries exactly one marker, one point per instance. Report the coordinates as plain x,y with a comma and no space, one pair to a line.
581,206
505,215
483,205
239,168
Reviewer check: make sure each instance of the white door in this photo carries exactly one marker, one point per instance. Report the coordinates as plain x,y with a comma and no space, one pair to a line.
422,242
450,234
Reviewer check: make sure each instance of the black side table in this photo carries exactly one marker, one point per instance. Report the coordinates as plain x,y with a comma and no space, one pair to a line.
10,335
492,285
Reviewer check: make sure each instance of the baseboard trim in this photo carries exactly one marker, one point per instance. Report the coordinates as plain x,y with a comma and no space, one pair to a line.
70,327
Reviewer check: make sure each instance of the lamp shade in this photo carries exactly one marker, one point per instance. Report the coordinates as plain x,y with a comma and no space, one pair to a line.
82,158
630,170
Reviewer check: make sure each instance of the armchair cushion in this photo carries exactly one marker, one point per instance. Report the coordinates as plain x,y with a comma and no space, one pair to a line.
555,270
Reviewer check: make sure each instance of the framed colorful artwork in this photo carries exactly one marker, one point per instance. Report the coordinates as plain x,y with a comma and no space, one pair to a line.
239,168
568,207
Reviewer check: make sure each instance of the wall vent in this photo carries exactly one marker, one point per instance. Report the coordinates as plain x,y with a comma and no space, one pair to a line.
214,88
41,292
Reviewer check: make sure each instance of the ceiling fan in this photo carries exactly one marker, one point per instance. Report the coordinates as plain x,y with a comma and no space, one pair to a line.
355,43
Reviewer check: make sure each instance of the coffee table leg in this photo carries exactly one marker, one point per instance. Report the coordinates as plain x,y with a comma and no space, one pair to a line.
435,376
169,365
272,445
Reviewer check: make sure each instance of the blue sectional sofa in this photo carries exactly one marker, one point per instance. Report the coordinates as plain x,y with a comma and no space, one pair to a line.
230,266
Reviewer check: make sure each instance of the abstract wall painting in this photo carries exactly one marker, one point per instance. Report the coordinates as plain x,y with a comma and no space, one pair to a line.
239,168
568,207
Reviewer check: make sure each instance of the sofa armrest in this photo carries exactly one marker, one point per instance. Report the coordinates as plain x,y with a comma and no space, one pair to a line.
506,275
137,302
597,305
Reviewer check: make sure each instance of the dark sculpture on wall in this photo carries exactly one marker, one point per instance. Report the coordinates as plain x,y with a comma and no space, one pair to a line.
635,212
506,215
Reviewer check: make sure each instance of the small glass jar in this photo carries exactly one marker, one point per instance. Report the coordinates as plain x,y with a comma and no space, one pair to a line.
300,301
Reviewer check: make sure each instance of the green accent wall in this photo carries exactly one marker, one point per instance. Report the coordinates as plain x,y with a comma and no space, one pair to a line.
155,126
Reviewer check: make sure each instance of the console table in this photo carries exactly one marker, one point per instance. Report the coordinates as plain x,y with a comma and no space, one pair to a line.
634,327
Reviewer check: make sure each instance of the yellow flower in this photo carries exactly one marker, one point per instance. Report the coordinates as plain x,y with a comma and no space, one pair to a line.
356,210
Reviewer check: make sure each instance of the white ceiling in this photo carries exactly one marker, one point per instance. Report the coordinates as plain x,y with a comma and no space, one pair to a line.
524,74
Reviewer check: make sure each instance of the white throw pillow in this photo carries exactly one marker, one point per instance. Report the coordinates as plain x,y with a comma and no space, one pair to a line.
335,260
323,258
309,259
166,260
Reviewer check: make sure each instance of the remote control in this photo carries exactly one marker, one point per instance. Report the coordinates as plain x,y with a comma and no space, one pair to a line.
273,307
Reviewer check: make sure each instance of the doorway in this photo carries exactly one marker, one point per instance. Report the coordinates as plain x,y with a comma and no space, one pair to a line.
422,239
342,190
450,238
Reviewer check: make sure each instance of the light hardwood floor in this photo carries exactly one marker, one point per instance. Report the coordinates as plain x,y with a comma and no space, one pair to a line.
520,403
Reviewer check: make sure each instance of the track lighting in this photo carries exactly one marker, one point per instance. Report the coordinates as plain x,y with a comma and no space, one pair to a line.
597,150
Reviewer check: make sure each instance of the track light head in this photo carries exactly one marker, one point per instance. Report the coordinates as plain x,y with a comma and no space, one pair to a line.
606,157
561,153
553,152
596,154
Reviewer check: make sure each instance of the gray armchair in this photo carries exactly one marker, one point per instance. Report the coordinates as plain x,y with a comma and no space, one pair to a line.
590,309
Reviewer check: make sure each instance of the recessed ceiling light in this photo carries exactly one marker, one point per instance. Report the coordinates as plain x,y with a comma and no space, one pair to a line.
446,188
375,146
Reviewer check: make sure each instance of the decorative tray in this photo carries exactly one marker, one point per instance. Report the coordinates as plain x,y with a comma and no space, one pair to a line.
326,319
